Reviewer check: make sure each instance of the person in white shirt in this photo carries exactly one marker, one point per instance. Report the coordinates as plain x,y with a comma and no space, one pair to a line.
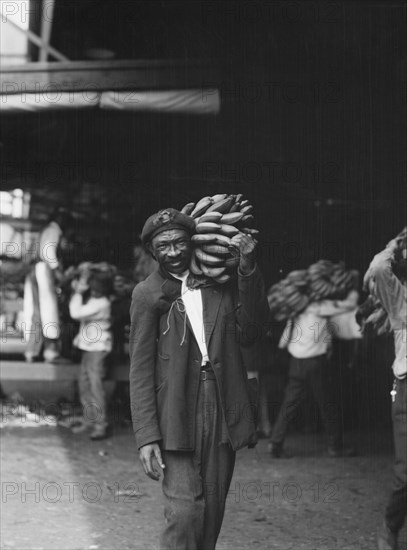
94,339
307,338
386,279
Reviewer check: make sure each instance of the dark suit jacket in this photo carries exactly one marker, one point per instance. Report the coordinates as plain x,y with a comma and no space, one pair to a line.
165,359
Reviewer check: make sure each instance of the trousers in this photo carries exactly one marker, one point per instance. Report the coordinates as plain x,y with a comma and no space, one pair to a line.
396,509
310,373
91,389
196,483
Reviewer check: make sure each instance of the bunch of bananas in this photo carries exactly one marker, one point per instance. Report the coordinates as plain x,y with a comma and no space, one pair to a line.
321,281
329,281
217,219
289,297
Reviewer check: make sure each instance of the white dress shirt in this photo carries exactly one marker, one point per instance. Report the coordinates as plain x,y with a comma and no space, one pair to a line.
192,298
95,322
310,335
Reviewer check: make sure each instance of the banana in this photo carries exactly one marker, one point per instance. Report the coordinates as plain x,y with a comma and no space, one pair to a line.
222,278
219,197
201,206
323,267
204,238
211,217
320,286
223,239
249,231
187,209
217,249
208,227
329,292
231,218
247,219
239,197
294,300
297,276
324,291
234,208
213,271
290,292
244,203
315,273
349,284
222,205
208,259
342,278
247,209
194,265
229,230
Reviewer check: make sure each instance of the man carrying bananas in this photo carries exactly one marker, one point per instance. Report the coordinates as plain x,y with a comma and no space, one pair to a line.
192,405
307,338
386,280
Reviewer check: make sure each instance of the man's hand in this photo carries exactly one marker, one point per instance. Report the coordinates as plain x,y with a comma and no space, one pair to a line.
246,246
146,456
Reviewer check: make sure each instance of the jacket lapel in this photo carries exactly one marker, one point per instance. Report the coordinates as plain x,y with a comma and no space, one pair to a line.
171,288
211,299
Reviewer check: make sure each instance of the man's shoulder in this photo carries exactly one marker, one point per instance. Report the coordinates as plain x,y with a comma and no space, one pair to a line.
150,286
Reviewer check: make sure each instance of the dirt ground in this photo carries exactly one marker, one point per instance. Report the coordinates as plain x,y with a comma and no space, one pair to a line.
62,491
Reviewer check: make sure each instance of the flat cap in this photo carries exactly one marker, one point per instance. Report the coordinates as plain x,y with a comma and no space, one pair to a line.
166,219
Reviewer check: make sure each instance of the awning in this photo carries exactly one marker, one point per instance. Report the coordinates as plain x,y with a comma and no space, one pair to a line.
193,102
170,86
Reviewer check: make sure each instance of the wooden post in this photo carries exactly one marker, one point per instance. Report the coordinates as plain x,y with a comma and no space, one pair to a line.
46,29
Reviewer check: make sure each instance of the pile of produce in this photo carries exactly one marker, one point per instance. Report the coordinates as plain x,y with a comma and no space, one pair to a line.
323,280
217,220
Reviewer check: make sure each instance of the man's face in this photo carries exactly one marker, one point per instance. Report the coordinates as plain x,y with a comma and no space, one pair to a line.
172,250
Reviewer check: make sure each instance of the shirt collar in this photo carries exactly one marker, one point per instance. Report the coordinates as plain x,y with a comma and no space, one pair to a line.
180,276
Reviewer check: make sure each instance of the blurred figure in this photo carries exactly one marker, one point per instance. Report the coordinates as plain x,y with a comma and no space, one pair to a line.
347,359
386,280
95,342
307,338
145,264
40,296
121,300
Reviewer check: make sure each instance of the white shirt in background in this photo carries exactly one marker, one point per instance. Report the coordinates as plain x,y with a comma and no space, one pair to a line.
94,331
309,335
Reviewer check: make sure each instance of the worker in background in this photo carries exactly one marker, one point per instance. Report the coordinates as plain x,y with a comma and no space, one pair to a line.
386,279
